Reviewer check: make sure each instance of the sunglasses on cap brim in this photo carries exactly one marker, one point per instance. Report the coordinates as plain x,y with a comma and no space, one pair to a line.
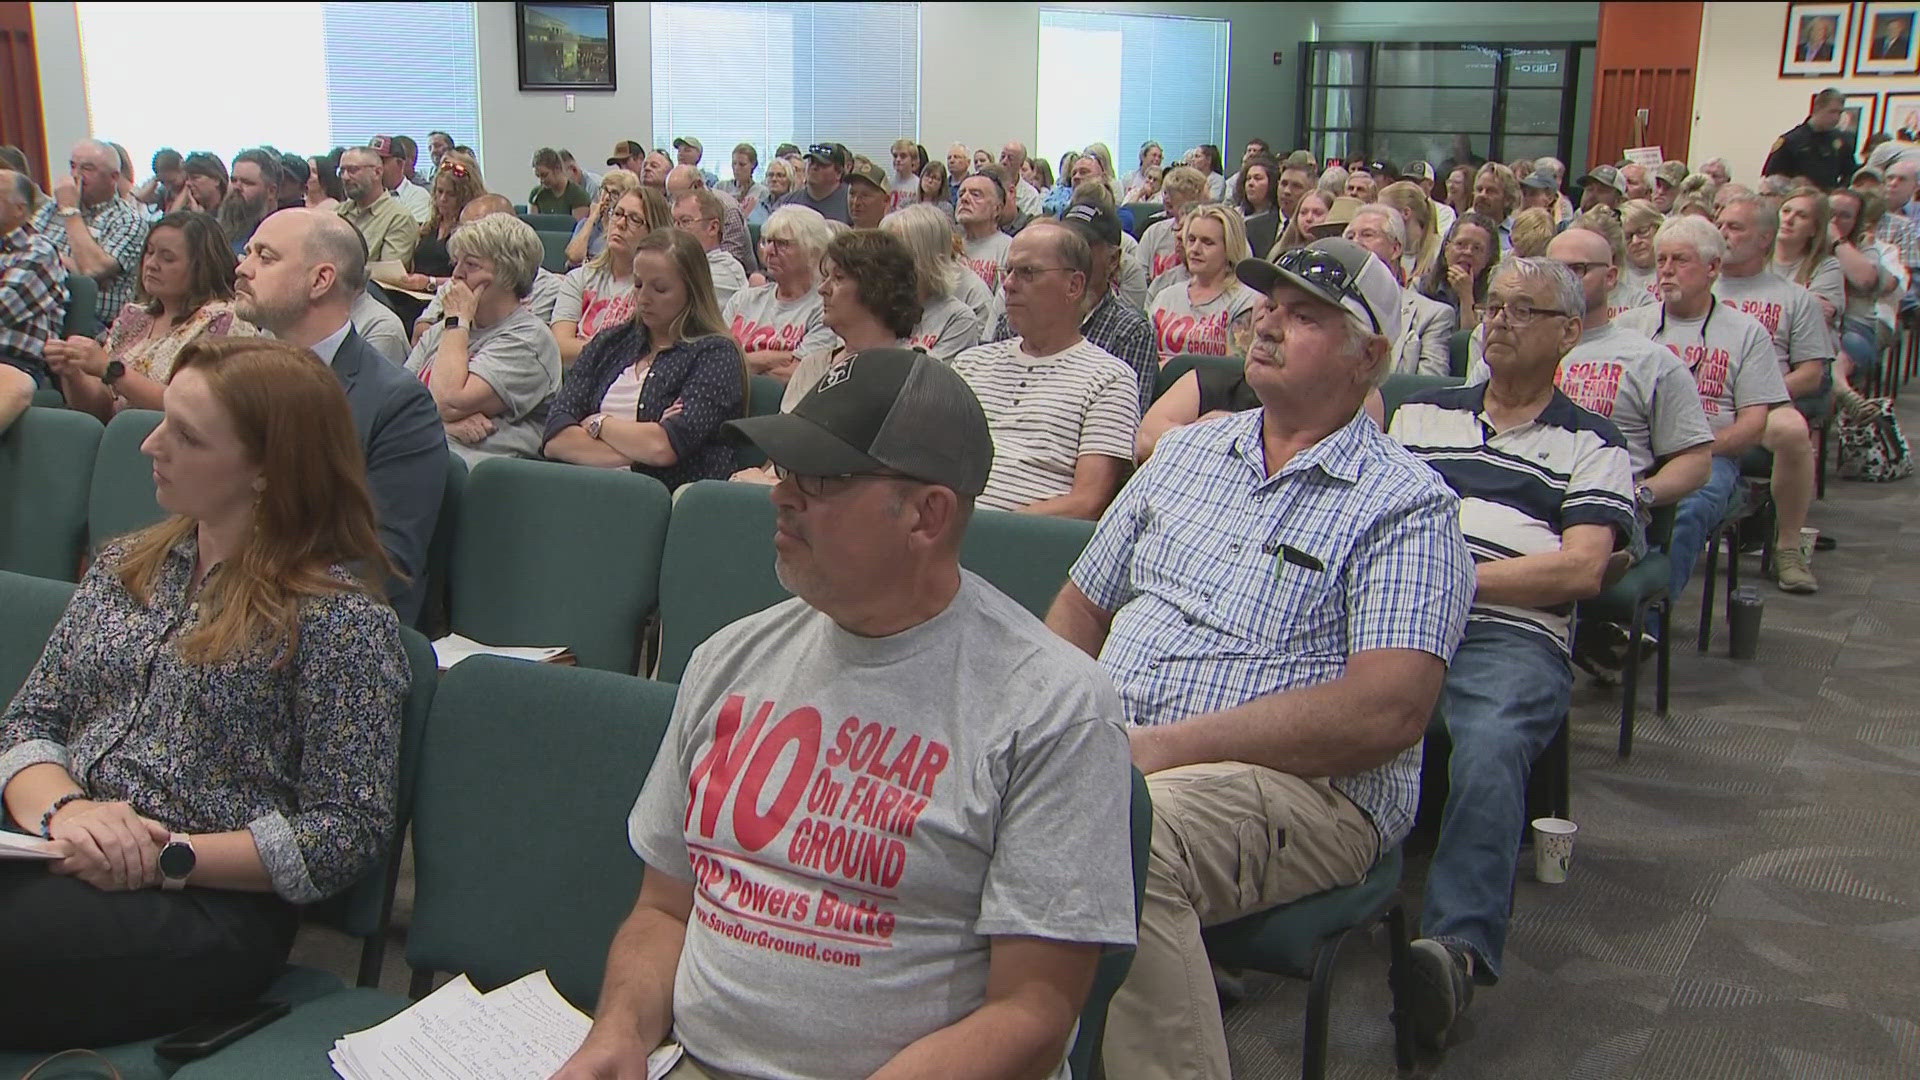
1329,275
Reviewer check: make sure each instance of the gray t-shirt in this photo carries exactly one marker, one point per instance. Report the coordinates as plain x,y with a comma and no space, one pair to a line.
593,299
1181,326
1636,288
988,256
760,321
1729,354
1159,249
862,816
947,328
729,276
1827,281
1641,387
970,289
518,357
1792,317
381,328
833,207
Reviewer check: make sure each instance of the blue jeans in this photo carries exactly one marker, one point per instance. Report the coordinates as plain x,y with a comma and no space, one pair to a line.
1860,341
1698,515
1506,692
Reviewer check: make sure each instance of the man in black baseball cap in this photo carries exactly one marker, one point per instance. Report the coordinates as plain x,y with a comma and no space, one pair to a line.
824,190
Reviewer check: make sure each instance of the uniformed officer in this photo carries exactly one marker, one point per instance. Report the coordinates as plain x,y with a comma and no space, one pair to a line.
1817,149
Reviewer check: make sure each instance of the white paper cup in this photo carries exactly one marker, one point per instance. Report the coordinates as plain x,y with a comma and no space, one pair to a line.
1552,848
1808,538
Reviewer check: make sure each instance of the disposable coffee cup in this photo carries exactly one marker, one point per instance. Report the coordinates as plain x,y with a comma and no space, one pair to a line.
1552,848
1808,538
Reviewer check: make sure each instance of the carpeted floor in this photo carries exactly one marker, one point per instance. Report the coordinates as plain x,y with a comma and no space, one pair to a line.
1745,894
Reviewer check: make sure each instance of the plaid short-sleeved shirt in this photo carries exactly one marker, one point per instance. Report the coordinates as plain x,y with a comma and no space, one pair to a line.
33,296
120,230
1227,584
1903,236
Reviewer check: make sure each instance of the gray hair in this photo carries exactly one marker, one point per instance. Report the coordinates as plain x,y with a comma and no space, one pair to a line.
506,241
1558,167
1391,222
1695,232
1765,213
334,240
1720,161
1564,287
19,188
1334,181
804,226
929,239
107,154
1776,185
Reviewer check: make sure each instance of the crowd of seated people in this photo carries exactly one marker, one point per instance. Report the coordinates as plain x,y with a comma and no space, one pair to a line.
951,333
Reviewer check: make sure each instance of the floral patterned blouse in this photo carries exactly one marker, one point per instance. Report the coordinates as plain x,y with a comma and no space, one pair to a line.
128,343
303,756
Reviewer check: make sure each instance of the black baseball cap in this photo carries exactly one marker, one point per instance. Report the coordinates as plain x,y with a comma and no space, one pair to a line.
897,410
1099,224
829,153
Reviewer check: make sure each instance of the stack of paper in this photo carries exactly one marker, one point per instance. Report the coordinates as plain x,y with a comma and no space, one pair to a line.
453,648
21,846
524,1029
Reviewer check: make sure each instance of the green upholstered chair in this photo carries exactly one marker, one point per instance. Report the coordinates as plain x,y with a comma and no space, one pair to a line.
1459,356
554,244
83,307
1398,388
1177,366
1026,556
1084,1055
718,566
46,463
503,840
121,499
433,613
1642,589
32,605
551,222
48,397
1303,939
763,399
552,554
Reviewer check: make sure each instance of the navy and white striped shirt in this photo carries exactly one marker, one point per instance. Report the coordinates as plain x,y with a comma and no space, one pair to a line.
1227,584
1521,488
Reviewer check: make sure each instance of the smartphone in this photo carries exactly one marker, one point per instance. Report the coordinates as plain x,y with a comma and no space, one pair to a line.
204,1038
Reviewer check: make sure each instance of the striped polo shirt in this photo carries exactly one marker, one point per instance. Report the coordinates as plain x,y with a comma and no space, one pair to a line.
1520,488
1047,412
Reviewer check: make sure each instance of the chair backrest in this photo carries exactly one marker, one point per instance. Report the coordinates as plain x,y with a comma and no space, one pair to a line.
521,859
1398,388
555,245
49,397
122,500
753,235
552,554
1026,556
1176,366
718,566
83,306
433,613
1459,353
46,462
32,605
1114,961
1144,214
363,909
763,399
550,222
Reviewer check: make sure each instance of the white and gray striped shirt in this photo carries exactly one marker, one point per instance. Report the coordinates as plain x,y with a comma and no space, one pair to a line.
1046,412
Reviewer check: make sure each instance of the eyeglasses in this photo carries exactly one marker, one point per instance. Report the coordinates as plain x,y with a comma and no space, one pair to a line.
1580,269
688,224
1517,312
777,243
635,220
1026,275
1329,274
813,487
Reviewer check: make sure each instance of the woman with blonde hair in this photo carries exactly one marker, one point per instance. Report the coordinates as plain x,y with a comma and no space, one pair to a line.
772,322
1532,229
211,735
1639,221
1803,250
1182,189
455,184
1417,214
780,183
1313,209
590,234
650,395
600,294
1207,313
947,325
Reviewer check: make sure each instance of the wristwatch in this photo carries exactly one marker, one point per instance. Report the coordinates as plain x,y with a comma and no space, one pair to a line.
177,861
115,369
452,322
593,424
1643,497
67,211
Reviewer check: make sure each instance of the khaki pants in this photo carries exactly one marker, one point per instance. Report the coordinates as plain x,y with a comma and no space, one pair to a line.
1229,839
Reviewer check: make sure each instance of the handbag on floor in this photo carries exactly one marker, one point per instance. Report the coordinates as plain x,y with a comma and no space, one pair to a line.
1872,446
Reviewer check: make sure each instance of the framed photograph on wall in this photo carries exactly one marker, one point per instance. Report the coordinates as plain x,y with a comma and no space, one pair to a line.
1814,43
1887,43
1900,116
564,45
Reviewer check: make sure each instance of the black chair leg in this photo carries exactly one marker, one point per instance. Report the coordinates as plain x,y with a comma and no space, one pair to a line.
1399,970
1313,1052
373,953
1706,590
1630,680
421,984
1820,458
1664,605
1559,755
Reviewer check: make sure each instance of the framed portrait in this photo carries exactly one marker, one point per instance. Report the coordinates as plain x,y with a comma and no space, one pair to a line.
1900,116
1814,44
564,45
1887,44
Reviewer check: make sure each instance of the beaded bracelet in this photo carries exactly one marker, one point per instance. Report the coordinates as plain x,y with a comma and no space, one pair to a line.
46,819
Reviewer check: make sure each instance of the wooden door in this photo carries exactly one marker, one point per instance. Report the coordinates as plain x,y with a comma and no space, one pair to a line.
21,124
1643,72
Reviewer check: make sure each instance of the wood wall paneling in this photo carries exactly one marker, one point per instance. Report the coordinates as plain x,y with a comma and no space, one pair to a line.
20,120
1645,59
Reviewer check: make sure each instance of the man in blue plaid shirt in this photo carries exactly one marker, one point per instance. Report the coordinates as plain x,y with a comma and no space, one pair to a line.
33,298
1276,596
98,233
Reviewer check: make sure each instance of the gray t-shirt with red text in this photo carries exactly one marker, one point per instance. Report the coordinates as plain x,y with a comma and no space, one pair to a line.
861,816
1729,353
1791,315
760,321
1181,326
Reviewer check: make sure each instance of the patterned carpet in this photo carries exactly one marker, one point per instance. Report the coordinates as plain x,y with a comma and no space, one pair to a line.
1745,894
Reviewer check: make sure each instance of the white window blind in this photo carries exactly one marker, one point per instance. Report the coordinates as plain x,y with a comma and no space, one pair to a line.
1125,79
339,73
728,73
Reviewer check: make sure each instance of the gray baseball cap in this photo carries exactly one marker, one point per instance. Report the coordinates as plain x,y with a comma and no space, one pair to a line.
897,410
1338,271
1607,176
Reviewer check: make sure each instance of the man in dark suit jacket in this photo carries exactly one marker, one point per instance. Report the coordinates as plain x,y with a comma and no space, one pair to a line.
1816,42
299,279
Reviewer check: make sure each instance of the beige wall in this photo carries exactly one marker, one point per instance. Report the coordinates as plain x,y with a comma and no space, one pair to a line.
1740,102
